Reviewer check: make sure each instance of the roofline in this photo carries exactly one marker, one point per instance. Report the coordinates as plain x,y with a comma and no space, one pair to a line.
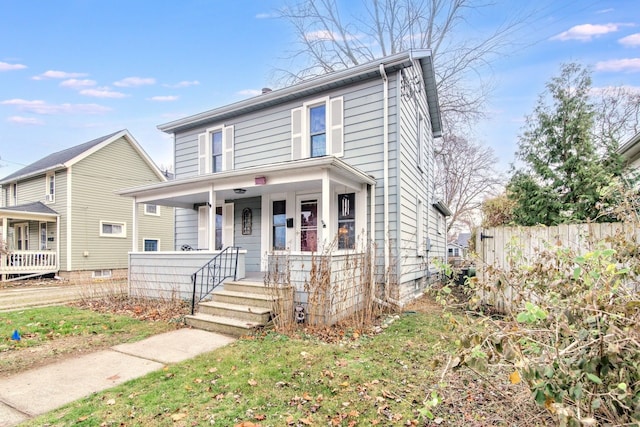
444,209
8,211
123,133
278,94
630,148
326,161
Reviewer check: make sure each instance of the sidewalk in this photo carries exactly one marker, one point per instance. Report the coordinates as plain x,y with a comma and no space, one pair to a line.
38,391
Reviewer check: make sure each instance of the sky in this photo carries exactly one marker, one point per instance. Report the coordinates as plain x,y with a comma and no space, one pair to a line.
75,70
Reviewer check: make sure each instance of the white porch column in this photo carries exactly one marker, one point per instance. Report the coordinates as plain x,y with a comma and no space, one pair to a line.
58,243
212,219
5,230
134,227
325,225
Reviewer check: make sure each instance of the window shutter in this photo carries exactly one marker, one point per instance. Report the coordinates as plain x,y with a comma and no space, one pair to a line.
203,158
203,227
227,148
227,225
296,133
336,134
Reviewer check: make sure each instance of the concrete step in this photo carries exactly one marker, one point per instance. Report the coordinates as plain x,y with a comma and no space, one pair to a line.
221,325
250,287
249,313
242,298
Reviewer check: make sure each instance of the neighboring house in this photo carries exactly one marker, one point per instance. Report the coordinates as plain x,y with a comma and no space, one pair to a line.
321,168
630,151
62,215
458,249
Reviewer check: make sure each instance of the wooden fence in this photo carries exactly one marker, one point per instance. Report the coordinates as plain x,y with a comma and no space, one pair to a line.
506,248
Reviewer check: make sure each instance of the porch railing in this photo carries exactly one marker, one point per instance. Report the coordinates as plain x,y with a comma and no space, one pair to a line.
28,261
223,266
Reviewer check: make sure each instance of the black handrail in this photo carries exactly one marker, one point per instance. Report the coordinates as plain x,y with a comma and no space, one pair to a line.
221,267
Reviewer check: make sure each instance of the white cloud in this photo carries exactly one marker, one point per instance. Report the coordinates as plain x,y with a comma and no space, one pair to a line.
103,92
632,40
249,92
616,65
5,66
31,121
266,15
184,83
41,107
605,11
166,98
135,82
51,74
586,32
326,35
77,84
602,90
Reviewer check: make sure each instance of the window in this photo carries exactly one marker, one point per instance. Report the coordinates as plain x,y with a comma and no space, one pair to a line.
113,229
279,225
216,151
309,225
43,236
347,221
101,274
218,227
152,210
151,245
318,130
51,188
14,194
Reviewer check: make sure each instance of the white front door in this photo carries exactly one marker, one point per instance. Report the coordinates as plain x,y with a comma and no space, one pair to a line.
22,237
310,225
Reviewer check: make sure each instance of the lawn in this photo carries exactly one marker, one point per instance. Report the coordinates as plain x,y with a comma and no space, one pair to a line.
49,333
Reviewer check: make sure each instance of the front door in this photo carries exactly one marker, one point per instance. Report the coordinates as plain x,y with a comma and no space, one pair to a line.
22,237
310,233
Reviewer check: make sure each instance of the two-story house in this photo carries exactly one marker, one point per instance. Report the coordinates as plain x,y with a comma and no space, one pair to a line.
630,151
331,166
61,214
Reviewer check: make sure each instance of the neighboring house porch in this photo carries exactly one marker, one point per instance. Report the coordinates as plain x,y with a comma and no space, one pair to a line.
30,236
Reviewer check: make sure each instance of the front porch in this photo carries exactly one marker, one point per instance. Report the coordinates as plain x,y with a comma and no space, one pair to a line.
23,229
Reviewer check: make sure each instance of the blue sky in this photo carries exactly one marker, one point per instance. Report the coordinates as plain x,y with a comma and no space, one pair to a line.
75,70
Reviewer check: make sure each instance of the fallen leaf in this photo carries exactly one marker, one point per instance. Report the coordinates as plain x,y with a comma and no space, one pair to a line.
514,377
306,421
213,370
252,382
261,417
178,417
84,418
306,396
111,402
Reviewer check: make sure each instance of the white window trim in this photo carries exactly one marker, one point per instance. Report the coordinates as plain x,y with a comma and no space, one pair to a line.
156,213
205,151
144,240
103,274
116,236
50,197
302,136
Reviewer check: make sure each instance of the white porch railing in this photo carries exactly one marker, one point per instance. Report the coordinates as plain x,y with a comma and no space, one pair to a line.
17,262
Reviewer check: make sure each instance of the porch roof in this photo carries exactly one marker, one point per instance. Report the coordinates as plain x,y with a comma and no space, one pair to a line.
34,211
251,182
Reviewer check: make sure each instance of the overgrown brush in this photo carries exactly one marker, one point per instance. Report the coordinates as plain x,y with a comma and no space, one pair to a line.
570,328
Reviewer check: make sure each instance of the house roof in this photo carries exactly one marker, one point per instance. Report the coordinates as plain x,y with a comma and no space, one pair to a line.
32,208
68,157
630,150
463,239
321,84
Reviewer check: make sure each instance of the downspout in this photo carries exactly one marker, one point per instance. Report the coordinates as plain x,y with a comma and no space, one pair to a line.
385,148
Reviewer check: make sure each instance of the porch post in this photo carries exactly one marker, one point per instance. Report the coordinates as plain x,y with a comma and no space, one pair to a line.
212,219
325,223
58,243
134,226
5,230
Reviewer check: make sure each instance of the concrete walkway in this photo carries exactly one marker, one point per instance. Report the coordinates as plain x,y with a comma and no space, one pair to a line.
38,391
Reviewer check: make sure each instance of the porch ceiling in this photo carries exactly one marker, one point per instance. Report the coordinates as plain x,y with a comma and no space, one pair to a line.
300,175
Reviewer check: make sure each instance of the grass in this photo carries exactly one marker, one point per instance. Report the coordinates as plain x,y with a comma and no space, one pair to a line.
62,330
274,379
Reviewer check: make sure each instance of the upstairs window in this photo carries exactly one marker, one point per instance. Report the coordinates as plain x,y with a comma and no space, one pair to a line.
150,209
51,188
317,129
14,194
215,150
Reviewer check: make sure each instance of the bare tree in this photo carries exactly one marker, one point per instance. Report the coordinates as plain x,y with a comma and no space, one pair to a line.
328,42
466,176
617,115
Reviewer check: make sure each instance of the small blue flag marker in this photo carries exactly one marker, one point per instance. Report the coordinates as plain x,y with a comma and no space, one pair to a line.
16,335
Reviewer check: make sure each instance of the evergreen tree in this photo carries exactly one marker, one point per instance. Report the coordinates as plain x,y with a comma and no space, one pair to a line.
563,172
